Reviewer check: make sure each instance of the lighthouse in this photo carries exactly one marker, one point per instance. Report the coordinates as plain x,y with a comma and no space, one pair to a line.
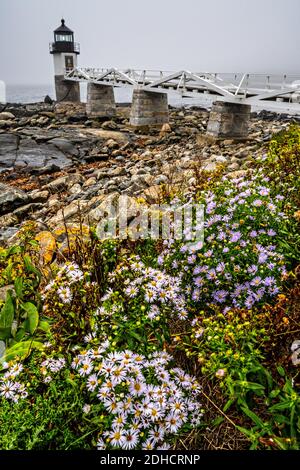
65,52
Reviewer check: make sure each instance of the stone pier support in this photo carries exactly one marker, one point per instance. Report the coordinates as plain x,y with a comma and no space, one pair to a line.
149,109
66,90
100,100
229,120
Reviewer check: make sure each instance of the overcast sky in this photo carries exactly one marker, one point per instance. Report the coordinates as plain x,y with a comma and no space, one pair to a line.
197,35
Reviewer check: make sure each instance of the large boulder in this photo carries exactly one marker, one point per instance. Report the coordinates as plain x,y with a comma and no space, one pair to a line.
6,116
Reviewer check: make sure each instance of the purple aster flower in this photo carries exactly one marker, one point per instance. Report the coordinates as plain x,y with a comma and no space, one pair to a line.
211,238
198,281
220,267
196,294
253,234
211,275
256,281
249,302
235,236
273,290
197,270
271,233
271,207
160,260
262,258
264,191
269,281
257,203
208,254
191,259
210,207
252,269
279,197
220,296
226,249
221,236
259,294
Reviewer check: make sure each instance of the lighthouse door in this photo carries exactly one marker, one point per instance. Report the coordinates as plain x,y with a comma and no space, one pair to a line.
69,62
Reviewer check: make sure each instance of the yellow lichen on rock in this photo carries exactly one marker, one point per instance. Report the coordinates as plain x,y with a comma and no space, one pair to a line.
47,245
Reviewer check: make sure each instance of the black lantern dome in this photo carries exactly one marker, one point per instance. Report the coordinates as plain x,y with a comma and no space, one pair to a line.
64,40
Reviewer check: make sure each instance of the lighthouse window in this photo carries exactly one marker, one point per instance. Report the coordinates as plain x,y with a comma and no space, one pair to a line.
69,62
64,37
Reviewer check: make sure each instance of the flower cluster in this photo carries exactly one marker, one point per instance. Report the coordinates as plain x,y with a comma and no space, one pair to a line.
151,287
10,387
239,264
68,275
51,366
144,399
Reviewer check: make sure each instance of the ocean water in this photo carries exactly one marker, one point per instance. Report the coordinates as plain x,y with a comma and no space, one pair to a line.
37,93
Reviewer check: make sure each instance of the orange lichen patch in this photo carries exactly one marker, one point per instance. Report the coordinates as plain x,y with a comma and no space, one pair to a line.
47,245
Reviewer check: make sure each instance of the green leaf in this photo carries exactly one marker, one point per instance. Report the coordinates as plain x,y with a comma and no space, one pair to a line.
21,350
254,417
19,287
281,371
6,317
44,326
251,385
20,334
216,422
284,405
31,268
14,250
249,433
228,404
32,316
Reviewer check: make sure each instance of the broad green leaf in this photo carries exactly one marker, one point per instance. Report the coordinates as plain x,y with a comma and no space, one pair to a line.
5,333
19,287
44,326
32,316
20,334
7,315
21,350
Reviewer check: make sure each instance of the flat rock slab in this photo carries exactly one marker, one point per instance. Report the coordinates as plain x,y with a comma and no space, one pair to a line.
31,155
8,150
119,137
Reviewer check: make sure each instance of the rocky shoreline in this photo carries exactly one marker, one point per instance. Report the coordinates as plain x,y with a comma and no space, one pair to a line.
56,162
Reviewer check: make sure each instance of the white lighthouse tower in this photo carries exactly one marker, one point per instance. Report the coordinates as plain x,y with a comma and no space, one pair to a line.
65,52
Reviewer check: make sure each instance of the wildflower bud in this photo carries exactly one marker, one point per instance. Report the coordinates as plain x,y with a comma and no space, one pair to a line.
220,373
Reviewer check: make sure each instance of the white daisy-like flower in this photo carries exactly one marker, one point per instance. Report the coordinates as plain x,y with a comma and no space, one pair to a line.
92,382
131,439
101,444
86,408
65,294
117,437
